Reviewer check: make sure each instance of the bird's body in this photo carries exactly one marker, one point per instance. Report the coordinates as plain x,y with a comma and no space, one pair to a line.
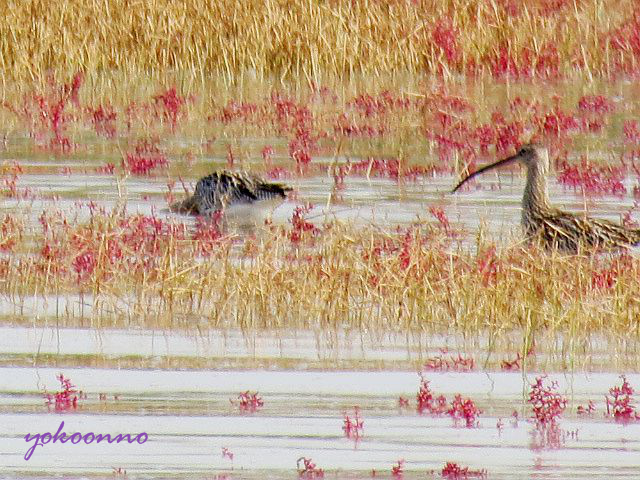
555,228
223,189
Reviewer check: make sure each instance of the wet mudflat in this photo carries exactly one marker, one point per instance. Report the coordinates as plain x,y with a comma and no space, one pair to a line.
252,403
189,419
191,415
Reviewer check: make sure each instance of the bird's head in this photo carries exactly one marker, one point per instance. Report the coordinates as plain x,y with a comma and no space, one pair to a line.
533,155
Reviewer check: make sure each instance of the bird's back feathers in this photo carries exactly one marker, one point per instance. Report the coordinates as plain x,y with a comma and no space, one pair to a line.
224,188
569,232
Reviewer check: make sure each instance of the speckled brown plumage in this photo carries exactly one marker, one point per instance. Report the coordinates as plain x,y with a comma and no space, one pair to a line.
225,188
555,228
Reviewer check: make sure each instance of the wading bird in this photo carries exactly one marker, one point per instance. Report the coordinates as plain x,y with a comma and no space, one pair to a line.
243,192
554,228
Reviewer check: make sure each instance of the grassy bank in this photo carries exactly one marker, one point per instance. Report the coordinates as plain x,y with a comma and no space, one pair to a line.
385,127
315,40
142,271
107,93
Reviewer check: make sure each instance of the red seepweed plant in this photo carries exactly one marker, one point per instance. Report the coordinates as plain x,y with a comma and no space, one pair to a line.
353,427
11,233
226,453
66,399
106,169
296,119
548,406
592,179
308,470
145,157
103,119
516,363
620,406
300,227
631,129
170,105
397,471
489,266
464,409
439,214
445,36
9,176
208,233
248,402
458,409
588,410
457,363
84,265
453,471
595,104
427,402
44,113
514,419
237,111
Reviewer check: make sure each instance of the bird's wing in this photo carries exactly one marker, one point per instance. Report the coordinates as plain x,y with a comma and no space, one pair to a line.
267,190
224,188
559,230
588,231
612,234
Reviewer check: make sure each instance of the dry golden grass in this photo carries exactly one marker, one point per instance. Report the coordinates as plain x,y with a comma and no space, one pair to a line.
136,272
311,41
416,121
139,271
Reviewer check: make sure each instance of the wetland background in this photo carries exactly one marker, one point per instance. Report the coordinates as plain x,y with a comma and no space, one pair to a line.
370,272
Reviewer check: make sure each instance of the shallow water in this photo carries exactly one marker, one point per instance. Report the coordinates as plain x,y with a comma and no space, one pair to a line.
492,202
189,419
188,415
180,391
293,350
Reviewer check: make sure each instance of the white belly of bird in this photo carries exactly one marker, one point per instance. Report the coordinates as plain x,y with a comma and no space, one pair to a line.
251,213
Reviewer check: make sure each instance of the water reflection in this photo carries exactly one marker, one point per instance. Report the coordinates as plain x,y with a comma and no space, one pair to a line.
492,202
189,419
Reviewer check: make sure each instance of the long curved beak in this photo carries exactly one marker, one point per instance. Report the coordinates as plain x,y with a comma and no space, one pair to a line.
499,163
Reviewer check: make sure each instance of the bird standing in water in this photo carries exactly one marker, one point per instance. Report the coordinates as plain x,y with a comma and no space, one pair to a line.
555,228
225,189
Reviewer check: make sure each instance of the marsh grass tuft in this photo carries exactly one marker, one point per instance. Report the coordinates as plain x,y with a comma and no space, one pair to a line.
146,272
316,40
